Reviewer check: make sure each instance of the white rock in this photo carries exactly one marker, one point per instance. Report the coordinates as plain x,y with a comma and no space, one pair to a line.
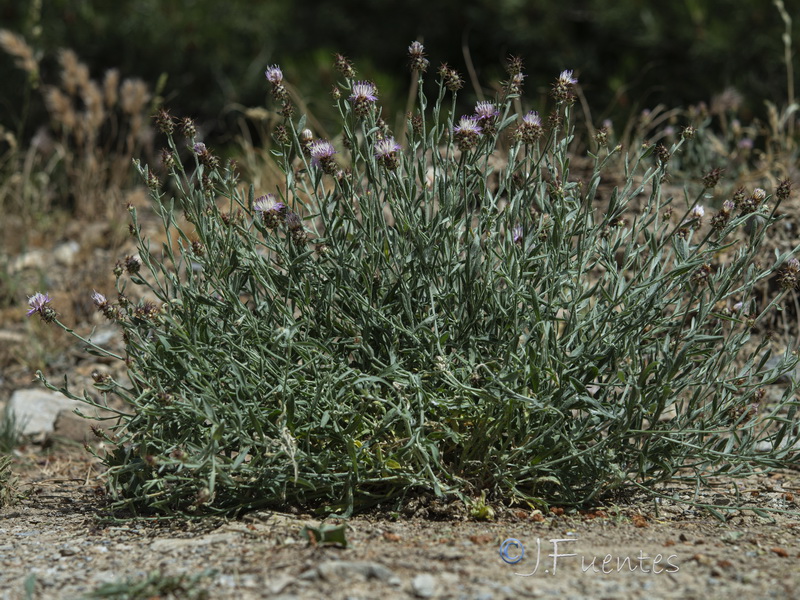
36,409
65,253
424,585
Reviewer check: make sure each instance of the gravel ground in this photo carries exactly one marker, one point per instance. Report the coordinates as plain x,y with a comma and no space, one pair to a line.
57,542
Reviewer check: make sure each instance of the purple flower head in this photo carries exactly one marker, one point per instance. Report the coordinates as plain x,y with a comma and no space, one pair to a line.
562,88
268,204
386,152
530,129
364,90
271,209
40,303
99,299
566,78
532,119
468,124
364,95
467,132
385,147
485,111
416,52
697,212
517,234
322,152
416,49
199,148
274,74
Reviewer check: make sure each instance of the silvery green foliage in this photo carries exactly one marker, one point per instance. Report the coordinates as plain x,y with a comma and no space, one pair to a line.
442,310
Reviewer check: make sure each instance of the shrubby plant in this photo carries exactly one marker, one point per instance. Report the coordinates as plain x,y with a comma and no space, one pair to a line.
445,310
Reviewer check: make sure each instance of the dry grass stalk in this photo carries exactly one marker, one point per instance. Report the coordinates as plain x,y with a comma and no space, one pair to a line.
16,46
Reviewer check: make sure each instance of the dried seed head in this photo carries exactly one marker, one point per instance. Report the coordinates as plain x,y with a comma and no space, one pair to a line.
287,110
164,121
789,275
450,78
167,158
784,190
711,179
415,120
702,274
188,129
662,154
513,65
281,135
344,66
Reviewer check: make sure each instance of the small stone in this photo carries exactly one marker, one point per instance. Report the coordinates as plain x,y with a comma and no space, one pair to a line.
343,569
424,585
68,550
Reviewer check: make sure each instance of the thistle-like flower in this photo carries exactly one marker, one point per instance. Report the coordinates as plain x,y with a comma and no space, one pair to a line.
363,97
749,204
517,235
275,76
416,53
271,210
697,212
720,220
386,153
294,225
562,88
102,304
789,275
530,129
99,299
467,132
487,115
514,84
40,303
322,152
485,111
204,156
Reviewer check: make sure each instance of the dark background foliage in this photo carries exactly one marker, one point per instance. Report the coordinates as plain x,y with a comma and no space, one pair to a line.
628,54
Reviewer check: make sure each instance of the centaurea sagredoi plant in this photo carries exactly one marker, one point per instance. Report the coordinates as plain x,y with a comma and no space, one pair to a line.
446,310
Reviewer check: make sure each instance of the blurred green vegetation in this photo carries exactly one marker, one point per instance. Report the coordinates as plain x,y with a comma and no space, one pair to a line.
628,54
